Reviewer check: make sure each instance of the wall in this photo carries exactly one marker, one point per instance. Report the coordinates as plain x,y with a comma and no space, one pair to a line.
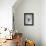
6,13
43,22
29,32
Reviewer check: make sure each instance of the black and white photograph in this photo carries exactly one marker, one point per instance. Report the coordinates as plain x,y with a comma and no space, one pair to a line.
28,18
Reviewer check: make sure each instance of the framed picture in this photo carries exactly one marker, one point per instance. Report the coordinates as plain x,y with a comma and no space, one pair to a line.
28,18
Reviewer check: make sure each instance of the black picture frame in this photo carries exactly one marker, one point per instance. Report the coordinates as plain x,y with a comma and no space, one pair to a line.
29,19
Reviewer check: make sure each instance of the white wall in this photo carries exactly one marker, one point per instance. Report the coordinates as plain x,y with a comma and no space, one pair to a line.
43,22
6,13
31,32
